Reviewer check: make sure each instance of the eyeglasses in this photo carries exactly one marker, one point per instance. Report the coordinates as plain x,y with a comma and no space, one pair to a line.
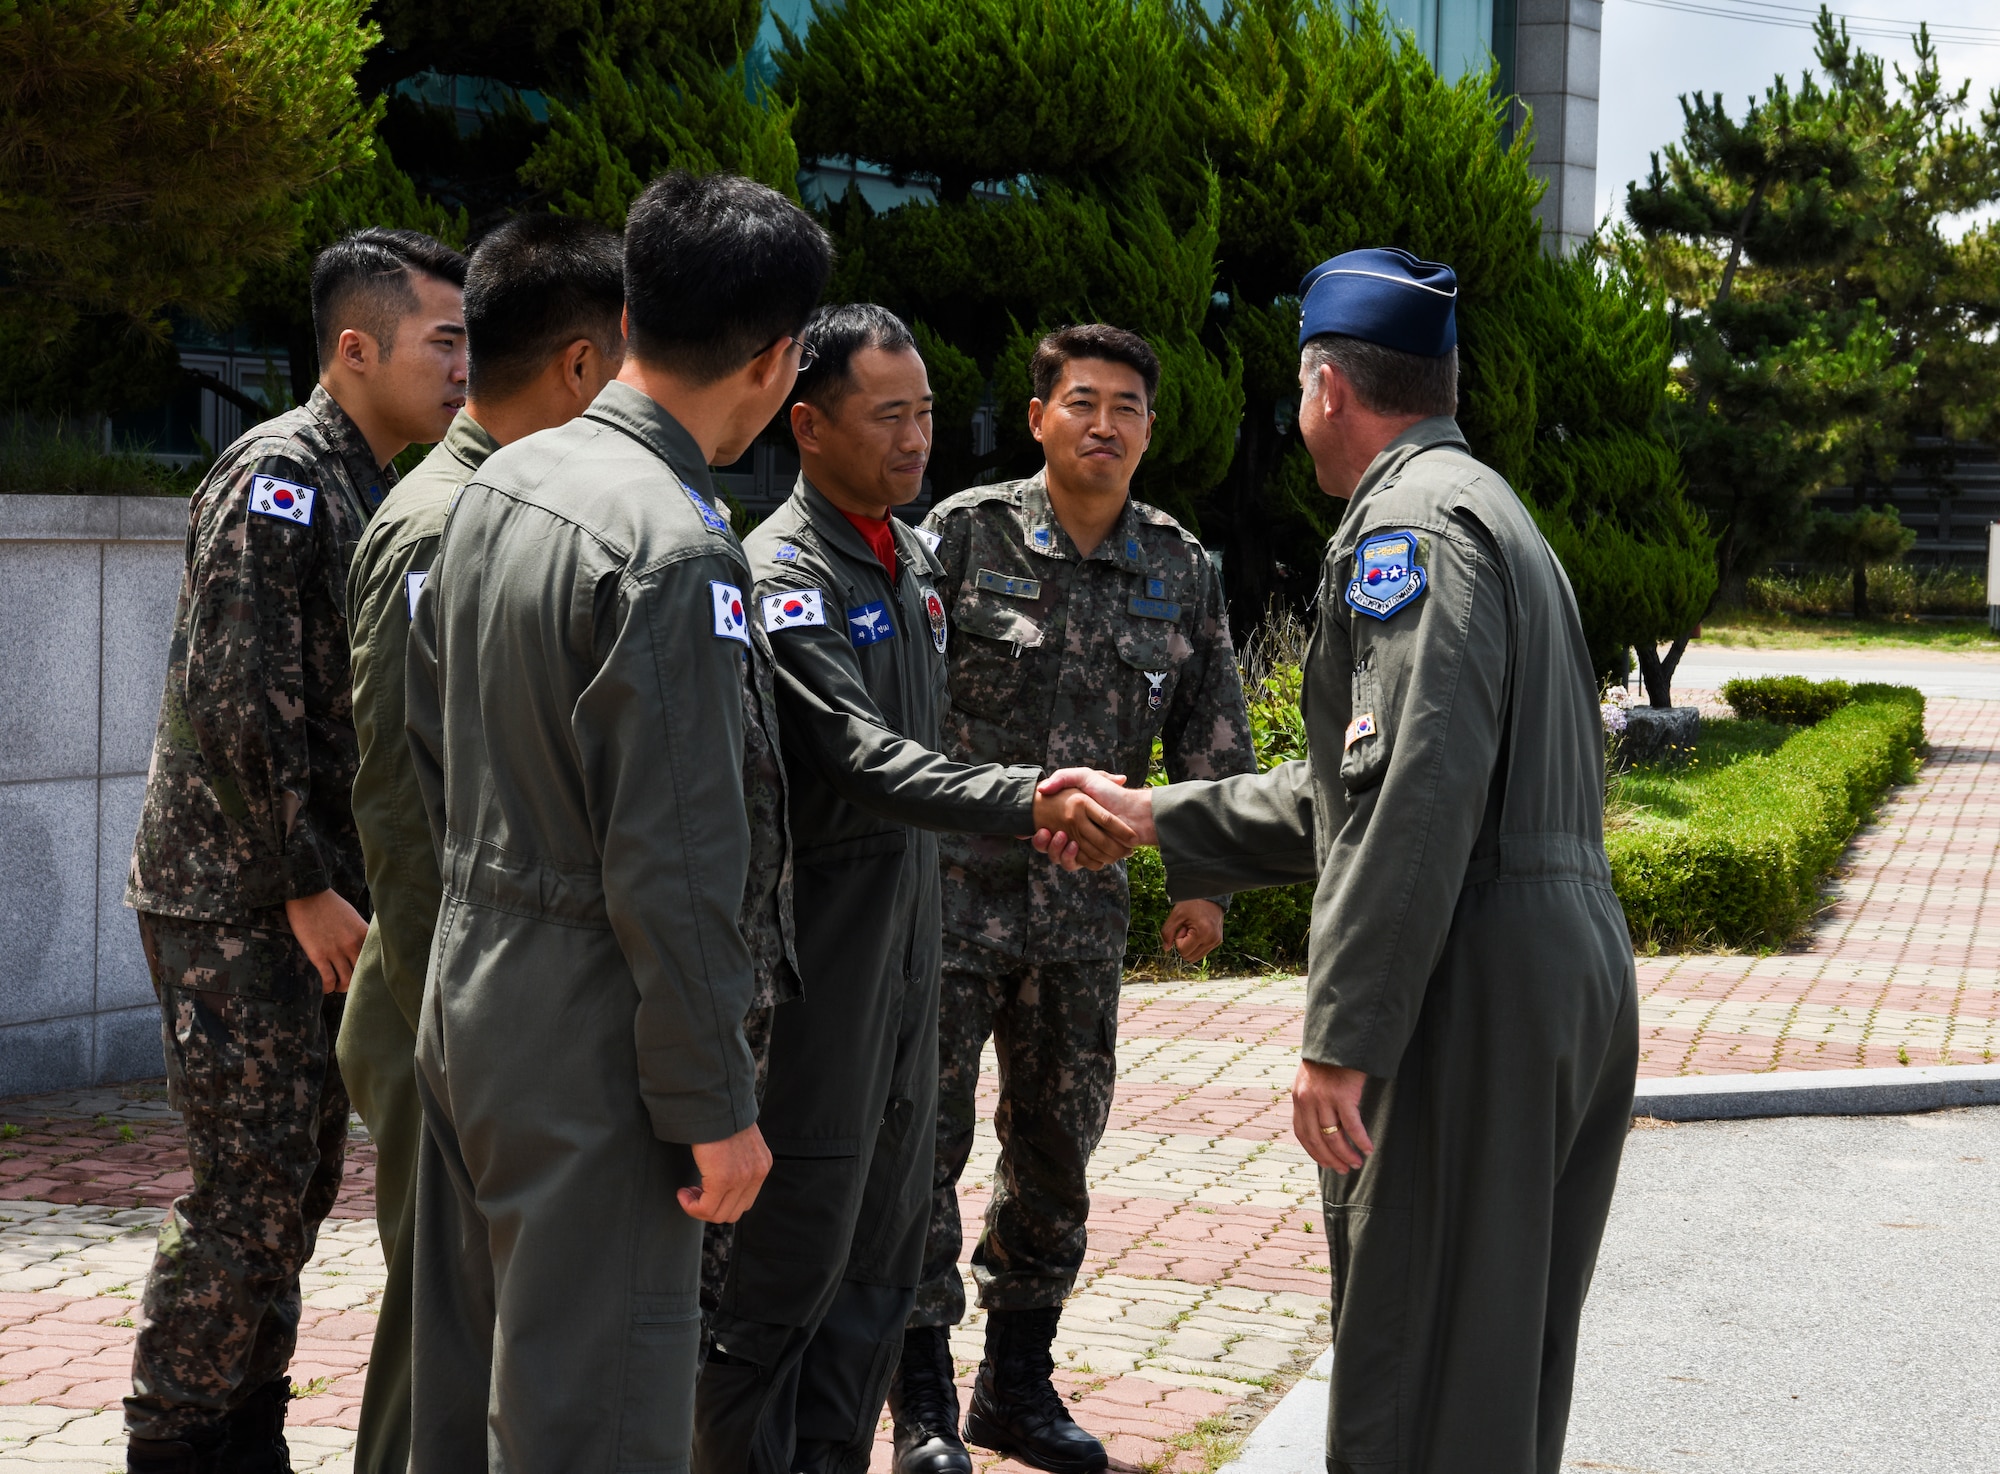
808,354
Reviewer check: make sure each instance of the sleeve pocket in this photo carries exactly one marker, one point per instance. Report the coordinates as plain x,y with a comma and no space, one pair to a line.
1365,757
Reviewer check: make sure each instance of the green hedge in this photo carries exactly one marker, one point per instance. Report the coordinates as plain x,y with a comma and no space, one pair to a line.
1743,866
1265,929
1790,699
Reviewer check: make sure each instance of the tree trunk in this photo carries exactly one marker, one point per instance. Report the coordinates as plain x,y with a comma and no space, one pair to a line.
1860,590
1658,672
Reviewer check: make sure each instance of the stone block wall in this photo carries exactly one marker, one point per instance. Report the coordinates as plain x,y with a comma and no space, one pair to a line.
87,592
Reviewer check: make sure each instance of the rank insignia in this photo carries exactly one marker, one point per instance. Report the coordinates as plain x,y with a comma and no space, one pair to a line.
787,553
1156,688
713,520
1013,588
1041,537
1132,548
286,500
870,624
934,611
794,608
730,623
1361,726
1386,575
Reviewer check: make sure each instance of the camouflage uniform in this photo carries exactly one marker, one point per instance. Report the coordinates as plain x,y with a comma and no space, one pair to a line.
247,807
1056,660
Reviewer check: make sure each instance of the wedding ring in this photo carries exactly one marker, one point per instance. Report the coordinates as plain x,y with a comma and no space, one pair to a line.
1329,1131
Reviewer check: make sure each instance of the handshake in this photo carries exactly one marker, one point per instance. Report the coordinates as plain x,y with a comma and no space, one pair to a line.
1085,819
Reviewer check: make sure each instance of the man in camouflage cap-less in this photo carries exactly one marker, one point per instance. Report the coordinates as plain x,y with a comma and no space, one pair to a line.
1083,625
247,872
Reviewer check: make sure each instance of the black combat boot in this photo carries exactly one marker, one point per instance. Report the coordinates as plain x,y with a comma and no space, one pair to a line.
257,1432
1016,1410
196,1452
924,1404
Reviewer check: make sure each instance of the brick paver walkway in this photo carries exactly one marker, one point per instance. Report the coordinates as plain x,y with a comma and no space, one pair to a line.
1205,1290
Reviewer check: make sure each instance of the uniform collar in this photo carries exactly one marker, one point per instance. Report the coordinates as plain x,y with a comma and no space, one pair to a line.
468,442
1420,437
1045,535
347,442
835,530
644,418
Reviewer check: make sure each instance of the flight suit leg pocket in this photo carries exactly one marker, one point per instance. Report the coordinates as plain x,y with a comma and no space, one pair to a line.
656,1402
1370,1252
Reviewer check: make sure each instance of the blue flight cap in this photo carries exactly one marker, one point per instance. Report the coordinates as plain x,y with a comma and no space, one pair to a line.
1382,295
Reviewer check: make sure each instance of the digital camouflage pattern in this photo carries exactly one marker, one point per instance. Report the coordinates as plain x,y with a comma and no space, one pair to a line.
766,918
247,801
1057,661
250,1066
1055,1028
716,1238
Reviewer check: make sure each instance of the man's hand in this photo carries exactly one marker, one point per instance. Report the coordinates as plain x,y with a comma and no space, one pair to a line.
732,1170
1193,929
1330,1096
1132,805
330,932
1092,836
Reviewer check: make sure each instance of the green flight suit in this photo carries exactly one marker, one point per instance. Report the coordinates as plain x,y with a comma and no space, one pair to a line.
1467,951
378,1035
582,681
825,1266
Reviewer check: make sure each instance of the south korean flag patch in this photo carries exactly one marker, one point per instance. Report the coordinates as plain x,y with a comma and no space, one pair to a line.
272,496
1386,575
730,621
794,609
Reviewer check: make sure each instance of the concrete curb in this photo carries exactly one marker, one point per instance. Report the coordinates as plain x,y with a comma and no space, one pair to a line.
1878,1092
1292,1437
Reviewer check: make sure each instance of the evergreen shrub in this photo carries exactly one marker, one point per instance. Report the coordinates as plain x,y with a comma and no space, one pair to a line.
1742,865
1791,699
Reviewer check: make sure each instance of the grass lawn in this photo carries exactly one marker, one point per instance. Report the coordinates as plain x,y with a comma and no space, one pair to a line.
1672,792
1749,630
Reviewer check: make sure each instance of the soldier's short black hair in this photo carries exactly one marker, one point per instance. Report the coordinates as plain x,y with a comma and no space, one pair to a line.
536,284
1389,381
835,335
362,281
1092,340
717,269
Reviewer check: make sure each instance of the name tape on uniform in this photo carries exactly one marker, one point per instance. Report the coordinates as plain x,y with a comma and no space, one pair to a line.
1361,726
794,609
288,501
870,624
1154,608
1013,588
413,585
1386,574
730,623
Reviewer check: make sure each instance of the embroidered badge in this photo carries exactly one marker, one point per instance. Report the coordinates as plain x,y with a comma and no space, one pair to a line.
1156,588
794,608
286,500
1361,726
930,539
1156,682
1154,608
713,520
787,553
934,611
870,624
1013,588
1041,537
1386,575
729,621
413,585
1132,548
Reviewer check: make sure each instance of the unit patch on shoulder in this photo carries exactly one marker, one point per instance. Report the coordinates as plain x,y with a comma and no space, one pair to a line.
794,608
730,623
1386,574
1154,608
713,520
934,611
1013,588
286,500
1361,726
870,624
413,585
787,553
929,539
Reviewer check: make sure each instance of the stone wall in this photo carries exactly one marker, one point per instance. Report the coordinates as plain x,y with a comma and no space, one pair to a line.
87,592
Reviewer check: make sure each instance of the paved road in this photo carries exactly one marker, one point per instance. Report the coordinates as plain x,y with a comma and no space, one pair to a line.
1798,1295
1971,675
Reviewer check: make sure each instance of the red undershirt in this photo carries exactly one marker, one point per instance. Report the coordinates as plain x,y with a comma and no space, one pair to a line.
880,537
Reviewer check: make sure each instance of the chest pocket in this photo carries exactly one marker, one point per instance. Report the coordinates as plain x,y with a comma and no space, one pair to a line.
1366,756
1149,659
990,638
